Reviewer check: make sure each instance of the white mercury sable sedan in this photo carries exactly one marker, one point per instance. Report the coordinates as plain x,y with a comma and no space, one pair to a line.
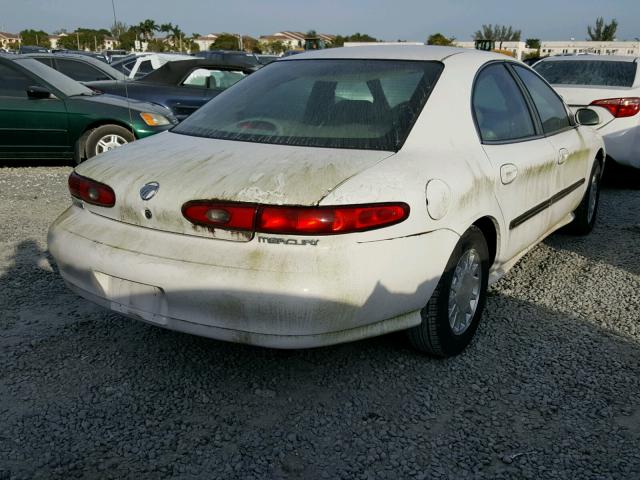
333,196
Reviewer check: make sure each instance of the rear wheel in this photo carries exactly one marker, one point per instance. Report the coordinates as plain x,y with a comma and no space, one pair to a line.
452,316
587,211
106,138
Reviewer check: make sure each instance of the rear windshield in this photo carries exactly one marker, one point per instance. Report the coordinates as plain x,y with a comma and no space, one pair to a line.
588,72
366,104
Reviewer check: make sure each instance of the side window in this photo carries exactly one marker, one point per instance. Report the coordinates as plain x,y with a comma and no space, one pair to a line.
127,67
79,71
500,109
144,68
14,83
553,114
45,61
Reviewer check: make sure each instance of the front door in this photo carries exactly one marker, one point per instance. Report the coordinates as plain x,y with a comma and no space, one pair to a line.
30,128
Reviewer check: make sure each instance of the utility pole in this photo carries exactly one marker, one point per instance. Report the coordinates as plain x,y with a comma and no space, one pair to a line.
38,44
95,42
78,39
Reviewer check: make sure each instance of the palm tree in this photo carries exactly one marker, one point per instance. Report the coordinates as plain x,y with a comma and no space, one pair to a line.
176,36
149,27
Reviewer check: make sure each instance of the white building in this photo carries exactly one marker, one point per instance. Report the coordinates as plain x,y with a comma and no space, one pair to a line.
591,47
293,40
54,39
564,47
515,49
9,41
205,41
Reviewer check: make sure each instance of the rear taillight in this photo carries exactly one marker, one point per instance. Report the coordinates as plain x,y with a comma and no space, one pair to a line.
329,220
90,191
229,216
295,220
620,107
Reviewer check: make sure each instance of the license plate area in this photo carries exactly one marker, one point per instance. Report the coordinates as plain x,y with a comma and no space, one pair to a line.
135,299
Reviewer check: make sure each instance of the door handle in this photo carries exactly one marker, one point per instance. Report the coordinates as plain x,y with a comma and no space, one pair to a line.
508,173
563,155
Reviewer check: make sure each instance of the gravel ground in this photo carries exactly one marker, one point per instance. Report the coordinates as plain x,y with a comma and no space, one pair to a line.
549,389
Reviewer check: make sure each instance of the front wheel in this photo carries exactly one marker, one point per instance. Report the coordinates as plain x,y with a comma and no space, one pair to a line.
586,213
452,315
106,138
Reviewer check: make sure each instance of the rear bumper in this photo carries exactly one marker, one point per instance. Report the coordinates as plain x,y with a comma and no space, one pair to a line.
264,294
622,140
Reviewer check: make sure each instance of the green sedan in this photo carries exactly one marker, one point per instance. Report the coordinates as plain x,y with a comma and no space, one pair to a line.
45,114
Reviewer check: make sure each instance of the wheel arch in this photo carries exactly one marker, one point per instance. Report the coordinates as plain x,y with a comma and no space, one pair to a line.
491,231
81,143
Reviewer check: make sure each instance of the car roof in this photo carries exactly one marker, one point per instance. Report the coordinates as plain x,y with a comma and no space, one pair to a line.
73,56
601,58
173,72
391,52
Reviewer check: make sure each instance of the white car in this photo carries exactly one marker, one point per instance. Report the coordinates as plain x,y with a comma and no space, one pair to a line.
138,65
611,86
333,196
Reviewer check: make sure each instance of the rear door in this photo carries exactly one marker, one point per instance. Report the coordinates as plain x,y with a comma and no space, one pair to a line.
523,159
30,127
572,152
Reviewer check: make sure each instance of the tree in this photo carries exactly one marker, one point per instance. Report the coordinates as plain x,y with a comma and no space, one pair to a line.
498,33
118,28
226,41
35,37
156,45
439,39
276,47
147,29
603,32
251,44
533,43
127,39
340,40
84,39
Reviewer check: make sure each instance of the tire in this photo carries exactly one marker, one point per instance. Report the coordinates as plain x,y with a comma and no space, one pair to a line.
107,137
587,212
435,335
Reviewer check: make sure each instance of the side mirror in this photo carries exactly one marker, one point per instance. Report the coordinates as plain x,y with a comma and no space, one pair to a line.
38,93
586,116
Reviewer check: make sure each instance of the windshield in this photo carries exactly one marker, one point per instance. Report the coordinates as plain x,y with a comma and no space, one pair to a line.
588,72
366,104
57,80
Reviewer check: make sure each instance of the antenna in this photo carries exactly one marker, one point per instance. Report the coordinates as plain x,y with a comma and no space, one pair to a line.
126,89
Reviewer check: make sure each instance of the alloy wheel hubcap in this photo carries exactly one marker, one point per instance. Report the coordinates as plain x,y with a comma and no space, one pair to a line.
109,142
465,291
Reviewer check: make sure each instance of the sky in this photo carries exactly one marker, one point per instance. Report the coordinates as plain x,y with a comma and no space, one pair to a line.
391,20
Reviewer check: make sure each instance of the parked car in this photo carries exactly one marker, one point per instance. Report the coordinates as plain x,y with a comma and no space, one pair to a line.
233,57
45,114
333,196
611,86
113,55
32,49
182,86
138,65
81,68
97,55
267,59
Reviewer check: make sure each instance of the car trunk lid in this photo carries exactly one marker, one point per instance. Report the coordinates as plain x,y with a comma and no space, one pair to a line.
188,168
580,96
